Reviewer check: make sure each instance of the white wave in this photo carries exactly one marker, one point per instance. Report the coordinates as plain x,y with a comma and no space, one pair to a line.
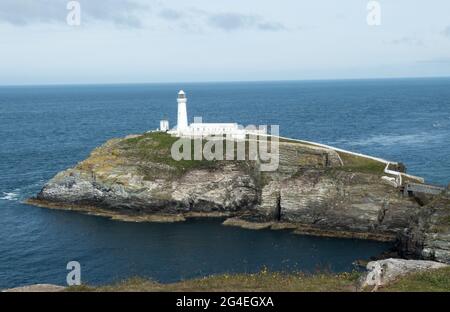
10,196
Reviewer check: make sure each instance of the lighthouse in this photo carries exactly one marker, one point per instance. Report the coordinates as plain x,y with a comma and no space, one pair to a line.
182,122
201,129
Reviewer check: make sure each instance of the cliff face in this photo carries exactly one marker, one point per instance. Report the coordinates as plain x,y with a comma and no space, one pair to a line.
428,236
124,191
340,201
314,190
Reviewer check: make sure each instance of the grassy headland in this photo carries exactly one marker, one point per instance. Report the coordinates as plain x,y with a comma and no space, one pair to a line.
354,163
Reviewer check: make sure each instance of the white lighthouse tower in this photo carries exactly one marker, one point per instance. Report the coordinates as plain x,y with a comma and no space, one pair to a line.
182,122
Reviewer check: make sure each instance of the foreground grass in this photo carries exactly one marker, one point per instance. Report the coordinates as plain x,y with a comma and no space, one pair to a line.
436,280
430,281
263,281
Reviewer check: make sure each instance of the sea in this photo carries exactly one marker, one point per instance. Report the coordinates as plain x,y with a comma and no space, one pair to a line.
46,129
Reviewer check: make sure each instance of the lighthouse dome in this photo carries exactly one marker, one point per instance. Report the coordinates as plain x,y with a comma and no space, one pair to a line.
181,94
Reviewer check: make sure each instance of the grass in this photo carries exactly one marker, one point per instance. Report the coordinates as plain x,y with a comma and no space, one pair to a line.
150,153
436,280
354,163
429,281
156,148
262,281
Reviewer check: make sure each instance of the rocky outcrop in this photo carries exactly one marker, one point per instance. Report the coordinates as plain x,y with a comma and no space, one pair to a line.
383,272
338,200
428,236
229,189
136,175
314,191
37,288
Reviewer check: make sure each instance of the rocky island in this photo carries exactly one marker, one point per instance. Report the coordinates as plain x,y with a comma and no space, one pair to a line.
315,190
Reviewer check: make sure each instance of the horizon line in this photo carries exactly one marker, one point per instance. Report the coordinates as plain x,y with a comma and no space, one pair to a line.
218,81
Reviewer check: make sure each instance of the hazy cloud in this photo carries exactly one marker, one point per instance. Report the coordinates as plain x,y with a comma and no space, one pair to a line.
236,21
231,21
170,14
129,13
271,26
407,41
27,12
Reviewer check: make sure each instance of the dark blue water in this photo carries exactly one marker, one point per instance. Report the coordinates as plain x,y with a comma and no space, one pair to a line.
47,129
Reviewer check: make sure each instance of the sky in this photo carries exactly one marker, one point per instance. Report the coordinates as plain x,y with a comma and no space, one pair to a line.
139,41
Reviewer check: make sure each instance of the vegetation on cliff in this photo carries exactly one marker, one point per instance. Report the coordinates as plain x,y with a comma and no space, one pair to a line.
151,152
154,148
351,163
354,163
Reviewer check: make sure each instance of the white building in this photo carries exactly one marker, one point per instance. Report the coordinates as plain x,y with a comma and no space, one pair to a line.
200,129
164,125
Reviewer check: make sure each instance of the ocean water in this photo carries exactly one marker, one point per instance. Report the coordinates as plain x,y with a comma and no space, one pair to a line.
47,129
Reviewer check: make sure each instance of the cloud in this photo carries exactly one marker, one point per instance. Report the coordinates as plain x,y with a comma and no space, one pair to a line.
407,41
231,21
236,21
271,26
28,12
170,14
129,13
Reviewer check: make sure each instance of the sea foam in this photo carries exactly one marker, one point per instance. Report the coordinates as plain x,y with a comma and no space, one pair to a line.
10,196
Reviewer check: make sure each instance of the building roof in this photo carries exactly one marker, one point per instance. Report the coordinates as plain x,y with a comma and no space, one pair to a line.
213,125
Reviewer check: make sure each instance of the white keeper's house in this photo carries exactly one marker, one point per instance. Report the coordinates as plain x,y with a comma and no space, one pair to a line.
200,129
